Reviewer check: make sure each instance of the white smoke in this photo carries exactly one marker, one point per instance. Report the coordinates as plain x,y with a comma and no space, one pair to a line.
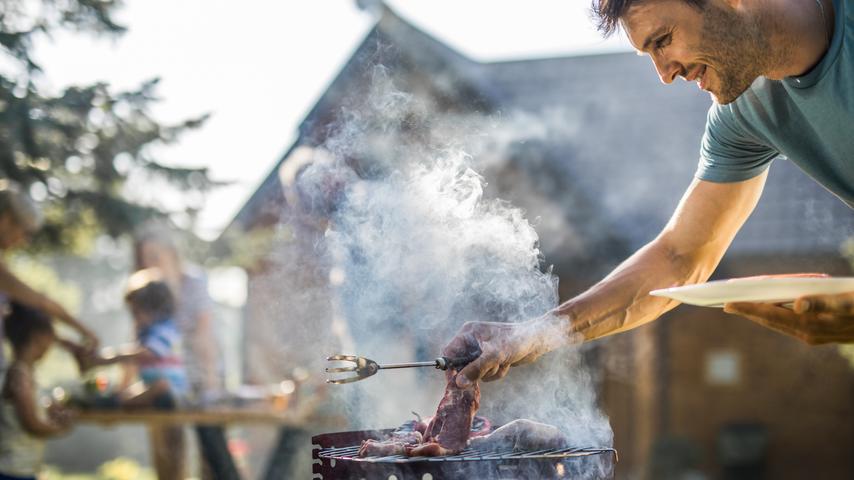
418,249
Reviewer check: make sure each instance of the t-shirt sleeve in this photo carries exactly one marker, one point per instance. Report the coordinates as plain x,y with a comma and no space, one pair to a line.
728,152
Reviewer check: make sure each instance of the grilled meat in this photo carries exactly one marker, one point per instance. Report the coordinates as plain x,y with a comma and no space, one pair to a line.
521,434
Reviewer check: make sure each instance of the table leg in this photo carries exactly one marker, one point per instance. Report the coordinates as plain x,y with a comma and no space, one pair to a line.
214,448
281,461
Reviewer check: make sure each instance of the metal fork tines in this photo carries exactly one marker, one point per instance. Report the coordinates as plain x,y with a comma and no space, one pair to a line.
365,367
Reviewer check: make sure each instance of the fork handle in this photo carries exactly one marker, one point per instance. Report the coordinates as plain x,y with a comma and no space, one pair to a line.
445,363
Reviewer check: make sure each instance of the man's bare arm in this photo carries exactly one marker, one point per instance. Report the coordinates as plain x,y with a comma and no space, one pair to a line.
687,250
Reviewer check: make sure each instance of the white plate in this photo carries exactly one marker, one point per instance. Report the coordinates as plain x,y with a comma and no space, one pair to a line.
756,289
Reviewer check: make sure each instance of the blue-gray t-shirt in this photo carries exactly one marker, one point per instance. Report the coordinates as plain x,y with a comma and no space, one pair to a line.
807,119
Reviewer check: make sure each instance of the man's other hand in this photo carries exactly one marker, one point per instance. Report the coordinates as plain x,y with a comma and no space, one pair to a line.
814,319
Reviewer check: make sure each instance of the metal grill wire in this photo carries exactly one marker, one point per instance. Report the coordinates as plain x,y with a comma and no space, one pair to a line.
468,455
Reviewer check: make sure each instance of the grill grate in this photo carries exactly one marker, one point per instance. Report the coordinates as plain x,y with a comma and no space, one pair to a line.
335,456
467,455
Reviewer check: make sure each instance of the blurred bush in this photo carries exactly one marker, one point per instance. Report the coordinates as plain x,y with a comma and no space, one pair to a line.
76,151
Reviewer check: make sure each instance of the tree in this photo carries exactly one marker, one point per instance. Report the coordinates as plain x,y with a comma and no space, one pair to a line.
75,152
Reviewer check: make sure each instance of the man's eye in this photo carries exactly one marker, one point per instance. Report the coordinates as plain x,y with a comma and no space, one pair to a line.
663,41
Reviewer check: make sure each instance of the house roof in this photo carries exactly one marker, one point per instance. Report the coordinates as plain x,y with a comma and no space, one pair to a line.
615,133
392,42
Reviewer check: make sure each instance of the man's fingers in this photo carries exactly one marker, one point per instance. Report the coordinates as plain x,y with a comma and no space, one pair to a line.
840,304
763,312
475,370
459,345
498,374
811,328
529,358
770,316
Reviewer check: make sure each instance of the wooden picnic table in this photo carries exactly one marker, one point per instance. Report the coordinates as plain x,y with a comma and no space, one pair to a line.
287,421
213,416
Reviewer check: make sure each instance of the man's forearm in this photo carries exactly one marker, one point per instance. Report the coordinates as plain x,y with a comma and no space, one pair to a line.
621,301
687,251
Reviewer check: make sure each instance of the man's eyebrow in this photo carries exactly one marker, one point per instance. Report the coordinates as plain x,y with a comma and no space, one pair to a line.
654,35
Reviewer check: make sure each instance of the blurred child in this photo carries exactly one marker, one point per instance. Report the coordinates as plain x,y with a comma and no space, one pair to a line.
157,351
157,356
23,423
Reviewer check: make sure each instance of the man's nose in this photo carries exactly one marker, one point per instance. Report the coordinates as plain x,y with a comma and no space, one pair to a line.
667,70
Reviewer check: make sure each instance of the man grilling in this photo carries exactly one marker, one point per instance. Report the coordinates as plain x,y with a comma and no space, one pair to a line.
781,74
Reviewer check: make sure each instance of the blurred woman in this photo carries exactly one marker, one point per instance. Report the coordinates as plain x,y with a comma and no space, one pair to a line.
155,248
20,218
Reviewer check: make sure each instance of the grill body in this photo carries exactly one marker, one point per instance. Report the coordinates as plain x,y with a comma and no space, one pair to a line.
335,457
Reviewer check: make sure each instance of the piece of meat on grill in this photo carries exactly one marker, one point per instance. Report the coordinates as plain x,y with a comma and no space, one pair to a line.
445,434
450,428
395,445
521,434
381,448
431,449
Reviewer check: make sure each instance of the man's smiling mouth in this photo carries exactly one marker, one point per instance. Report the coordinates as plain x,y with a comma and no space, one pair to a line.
694,74
700,78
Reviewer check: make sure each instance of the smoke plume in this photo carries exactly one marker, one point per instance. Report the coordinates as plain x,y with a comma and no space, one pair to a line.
417,248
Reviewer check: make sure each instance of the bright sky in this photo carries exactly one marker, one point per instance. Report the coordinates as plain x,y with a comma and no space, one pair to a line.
259,65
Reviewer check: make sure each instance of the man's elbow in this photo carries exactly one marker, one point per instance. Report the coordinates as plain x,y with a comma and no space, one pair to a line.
692,264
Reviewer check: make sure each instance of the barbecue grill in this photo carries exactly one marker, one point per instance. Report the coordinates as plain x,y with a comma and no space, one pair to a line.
335,456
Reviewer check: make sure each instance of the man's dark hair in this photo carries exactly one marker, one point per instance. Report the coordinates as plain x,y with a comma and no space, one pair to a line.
607,13
22,323
150,294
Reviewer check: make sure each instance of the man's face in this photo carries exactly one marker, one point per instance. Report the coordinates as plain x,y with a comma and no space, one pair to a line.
718,47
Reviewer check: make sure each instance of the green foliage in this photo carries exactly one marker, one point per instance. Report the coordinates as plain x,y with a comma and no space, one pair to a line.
76,152
21,20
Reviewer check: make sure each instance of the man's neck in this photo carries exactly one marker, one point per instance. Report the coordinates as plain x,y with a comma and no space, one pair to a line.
800,34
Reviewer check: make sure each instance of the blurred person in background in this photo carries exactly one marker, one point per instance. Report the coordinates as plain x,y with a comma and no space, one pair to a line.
154,247
157,356
20,218
24,424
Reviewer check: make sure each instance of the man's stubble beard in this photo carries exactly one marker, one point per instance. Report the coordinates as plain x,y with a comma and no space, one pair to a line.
738,50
